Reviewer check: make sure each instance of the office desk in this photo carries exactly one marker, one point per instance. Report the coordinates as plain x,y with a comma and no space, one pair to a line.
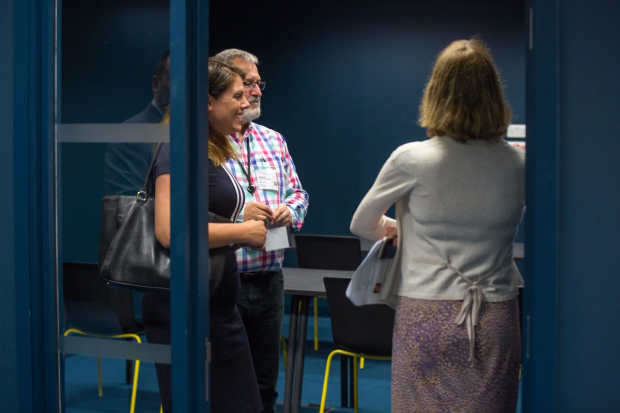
302,284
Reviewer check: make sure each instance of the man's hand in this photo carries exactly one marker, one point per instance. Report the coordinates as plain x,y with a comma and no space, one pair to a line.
282,216
257,211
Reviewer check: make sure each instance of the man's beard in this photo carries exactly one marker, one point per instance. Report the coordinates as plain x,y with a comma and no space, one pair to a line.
251,113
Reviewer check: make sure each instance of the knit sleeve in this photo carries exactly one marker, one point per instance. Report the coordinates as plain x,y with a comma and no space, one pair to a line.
395,180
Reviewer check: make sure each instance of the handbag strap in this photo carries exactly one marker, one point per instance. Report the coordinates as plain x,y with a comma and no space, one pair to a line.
143,194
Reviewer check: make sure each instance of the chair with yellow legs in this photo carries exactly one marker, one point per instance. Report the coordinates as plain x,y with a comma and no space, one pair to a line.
360,332
284,353
132,406
96,310
327,252
315,304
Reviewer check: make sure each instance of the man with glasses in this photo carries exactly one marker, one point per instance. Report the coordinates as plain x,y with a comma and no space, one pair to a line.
273,194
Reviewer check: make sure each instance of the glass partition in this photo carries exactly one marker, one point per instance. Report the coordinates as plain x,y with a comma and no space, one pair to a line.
113,85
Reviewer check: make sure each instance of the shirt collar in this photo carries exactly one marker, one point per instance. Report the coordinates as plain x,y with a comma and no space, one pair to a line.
161,112
247,133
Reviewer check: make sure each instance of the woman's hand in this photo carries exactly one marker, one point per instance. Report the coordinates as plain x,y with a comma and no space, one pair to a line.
391,232
255,233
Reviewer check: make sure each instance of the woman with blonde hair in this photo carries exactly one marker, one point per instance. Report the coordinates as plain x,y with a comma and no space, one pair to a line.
233,381
459,199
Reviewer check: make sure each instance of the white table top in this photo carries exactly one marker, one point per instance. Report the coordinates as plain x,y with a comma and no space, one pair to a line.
306,281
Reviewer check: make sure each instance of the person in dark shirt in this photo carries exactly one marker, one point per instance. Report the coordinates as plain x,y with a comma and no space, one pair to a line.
126,164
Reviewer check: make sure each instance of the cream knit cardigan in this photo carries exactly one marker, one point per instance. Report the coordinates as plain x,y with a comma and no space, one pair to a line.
458,206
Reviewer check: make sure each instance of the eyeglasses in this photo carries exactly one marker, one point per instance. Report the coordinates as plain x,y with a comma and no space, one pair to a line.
249,85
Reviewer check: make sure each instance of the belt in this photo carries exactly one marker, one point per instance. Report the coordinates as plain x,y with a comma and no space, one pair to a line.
254,275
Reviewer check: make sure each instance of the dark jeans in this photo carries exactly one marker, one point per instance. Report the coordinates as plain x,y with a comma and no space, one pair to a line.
261,304
156,318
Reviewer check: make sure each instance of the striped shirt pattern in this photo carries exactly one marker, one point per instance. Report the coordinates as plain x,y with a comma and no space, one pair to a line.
268,149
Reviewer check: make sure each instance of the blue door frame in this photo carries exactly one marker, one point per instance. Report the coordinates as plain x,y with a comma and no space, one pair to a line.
571,358
189,225
540,321
38,374
35,262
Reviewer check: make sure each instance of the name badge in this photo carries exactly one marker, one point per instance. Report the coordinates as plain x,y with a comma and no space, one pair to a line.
267,179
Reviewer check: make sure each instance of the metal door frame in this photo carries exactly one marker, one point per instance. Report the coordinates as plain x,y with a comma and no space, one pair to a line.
39,374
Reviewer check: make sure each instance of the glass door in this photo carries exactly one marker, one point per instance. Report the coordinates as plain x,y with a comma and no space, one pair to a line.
115,77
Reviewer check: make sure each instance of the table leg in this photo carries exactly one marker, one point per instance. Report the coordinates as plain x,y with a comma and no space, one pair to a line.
352,361
344,375
301,350
290,368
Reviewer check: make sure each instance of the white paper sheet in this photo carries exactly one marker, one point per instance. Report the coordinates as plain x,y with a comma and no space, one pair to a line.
277,238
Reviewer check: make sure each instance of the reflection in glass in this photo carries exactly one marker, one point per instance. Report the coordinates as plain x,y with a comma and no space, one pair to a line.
126,164
113,86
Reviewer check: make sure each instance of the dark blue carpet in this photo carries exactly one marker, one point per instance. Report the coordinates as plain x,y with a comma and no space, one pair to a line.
81,381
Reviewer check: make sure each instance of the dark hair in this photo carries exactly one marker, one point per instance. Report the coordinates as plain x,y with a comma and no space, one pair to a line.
162,64
463,98
221,77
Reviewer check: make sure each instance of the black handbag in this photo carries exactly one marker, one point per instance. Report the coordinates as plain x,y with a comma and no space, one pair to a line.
130,256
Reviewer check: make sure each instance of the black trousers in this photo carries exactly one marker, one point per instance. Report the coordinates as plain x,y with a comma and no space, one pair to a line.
156,318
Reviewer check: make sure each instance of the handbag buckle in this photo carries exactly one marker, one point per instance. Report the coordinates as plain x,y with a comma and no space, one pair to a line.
142,196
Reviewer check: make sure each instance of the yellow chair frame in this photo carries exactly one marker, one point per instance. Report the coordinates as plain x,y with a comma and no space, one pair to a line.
284,354
132,407
316,323
355,357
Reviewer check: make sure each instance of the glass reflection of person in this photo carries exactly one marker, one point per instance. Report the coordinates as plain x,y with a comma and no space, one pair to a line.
459,199
233,381
126,164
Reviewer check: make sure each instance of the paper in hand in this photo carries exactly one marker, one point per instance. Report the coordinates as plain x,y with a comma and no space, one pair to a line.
277,239
387,250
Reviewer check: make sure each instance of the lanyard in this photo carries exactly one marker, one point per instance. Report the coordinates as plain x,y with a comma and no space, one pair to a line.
248,173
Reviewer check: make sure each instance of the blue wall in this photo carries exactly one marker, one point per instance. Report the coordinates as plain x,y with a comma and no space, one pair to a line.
109,52
589,282
345,78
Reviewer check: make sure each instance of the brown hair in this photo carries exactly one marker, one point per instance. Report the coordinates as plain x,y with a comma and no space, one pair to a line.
463,98
221,77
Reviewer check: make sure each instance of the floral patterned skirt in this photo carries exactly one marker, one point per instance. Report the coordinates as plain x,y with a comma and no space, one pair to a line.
430,367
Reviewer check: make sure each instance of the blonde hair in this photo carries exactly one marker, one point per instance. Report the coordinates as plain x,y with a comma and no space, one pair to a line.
464,98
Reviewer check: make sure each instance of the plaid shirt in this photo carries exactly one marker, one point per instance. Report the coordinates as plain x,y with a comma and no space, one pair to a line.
268,150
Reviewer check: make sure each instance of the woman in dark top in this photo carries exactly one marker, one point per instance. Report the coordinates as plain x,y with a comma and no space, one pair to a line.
233,382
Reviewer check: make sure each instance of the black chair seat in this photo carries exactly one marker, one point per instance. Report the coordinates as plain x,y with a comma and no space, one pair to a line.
367,329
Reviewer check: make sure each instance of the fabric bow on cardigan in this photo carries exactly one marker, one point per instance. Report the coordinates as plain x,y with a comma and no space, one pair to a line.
472,300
